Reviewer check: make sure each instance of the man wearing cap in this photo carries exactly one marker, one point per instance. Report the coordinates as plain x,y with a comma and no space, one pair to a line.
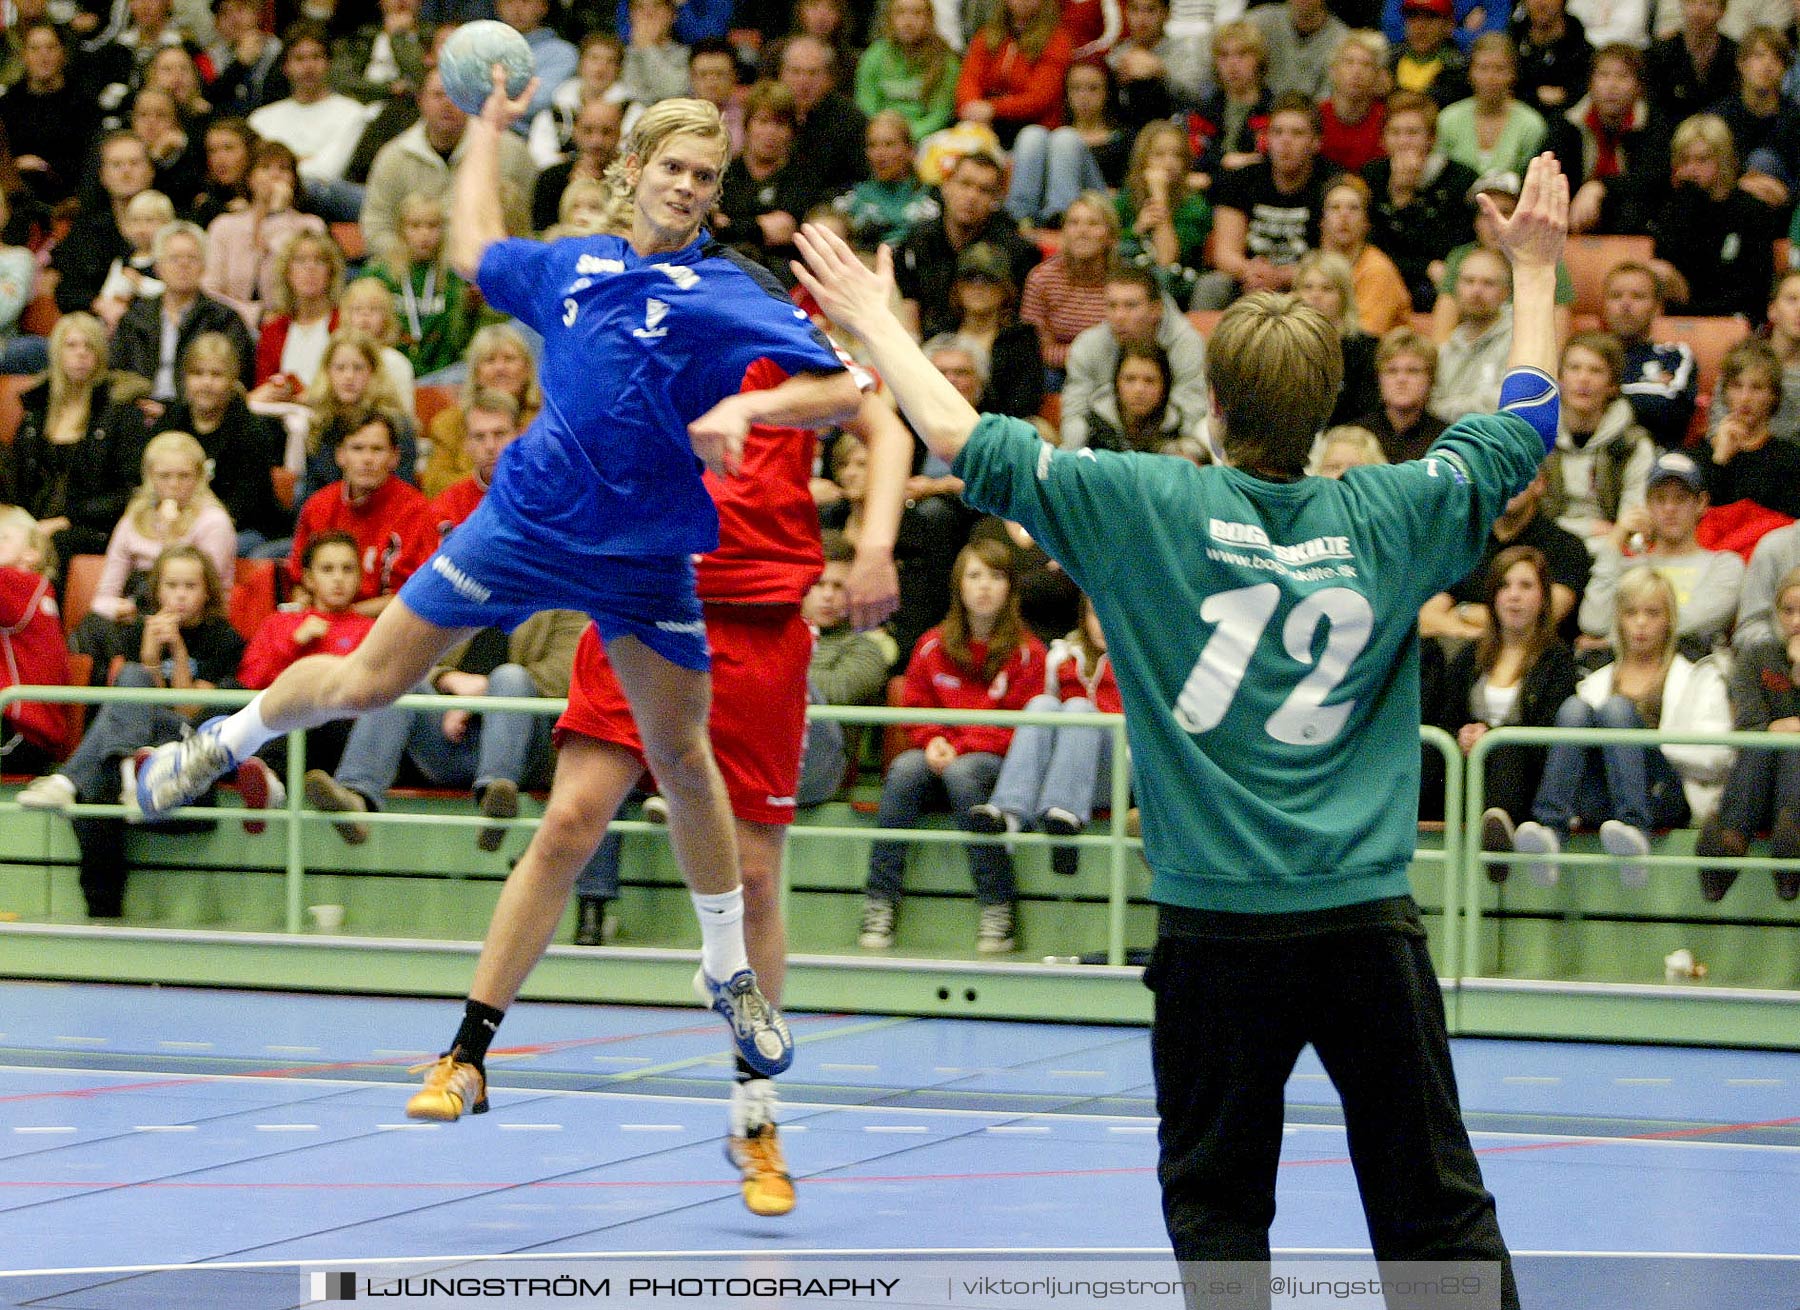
1660,533
1302,37
1661,377
1428,60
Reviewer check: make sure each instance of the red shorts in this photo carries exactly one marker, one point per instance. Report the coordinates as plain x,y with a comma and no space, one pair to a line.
760,655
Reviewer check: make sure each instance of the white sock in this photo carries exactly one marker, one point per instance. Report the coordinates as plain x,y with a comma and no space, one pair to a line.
245,733
721,933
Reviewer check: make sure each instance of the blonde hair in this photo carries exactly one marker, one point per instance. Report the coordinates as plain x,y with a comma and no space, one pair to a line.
216,348
141,511
1101,207
1244,33
1336,269
491,340
581,189
1276,367
334,257
1147,139
1032,38
1707,130
16,518
63,393
376,292
1364,442
151,204
658,125
1371,43
417,204
933,57
380,398
1638,585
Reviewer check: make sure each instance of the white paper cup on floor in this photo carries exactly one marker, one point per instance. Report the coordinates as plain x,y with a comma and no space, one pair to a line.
326,918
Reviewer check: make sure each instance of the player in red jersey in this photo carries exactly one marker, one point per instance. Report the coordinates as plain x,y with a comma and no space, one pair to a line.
751,588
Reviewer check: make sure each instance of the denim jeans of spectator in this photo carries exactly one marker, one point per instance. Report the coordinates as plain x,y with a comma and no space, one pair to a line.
909,787
1761,784
24,354
496,746
1633,784
1049,169
1055,768
335,202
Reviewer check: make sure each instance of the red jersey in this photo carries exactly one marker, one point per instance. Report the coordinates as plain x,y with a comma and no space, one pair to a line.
273,648
1072,683
769,552
392,526
455,503
32,651
1351,145
933,679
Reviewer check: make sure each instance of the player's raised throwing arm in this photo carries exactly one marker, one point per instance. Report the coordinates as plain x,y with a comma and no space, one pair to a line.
476,219
1533,240
857,299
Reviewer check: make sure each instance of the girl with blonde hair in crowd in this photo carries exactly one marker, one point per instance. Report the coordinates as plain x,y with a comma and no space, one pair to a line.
498,360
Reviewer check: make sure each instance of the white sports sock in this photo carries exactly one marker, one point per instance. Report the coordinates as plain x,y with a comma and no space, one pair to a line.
721,933
245,733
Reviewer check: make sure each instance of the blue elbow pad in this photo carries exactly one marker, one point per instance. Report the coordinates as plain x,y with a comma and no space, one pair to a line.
1531,394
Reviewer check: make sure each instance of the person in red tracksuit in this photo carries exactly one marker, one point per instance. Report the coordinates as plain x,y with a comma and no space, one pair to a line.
981,657
32,649
390,520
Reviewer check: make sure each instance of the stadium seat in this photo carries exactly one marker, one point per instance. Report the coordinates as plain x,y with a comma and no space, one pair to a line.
893,737
252,596
82,577
349,237
429,400
1204,320
286,483
12,386
1051,410
1591,258
39,316
81,670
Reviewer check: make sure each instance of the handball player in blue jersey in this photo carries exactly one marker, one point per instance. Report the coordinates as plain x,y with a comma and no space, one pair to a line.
599,506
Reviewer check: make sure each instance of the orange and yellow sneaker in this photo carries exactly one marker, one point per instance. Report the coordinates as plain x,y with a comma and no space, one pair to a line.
754,1147
451,1086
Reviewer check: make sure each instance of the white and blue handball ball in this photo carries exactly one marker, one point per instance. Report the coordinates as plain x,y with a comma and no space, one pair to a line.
467,60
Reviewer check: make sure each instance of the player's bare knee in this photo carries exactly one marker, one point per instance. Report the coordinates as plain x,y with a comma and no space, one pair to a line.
682,765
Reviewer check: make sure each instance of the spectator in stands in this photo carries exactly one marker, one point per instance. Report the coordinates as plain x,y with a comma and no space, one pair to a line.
1554,56
1628,790
50,117
225,187
554,58
1689,72
826,21
320,126
1382,300
1267,214
1050,167
368,306
133,275
892,200
1765,125
1228,130
1492,131
1714,240
594,138
1301,36
925,263
1066,294
712,77
600,59
1661,534
20,351
1625,22
1136,412
1405,369
1420,197
490,424
79,441
244,247
243,448
1777,553
309,272
656,61
1428,62
351,385
696,20
440,311
980,657
178,165
1136,313
1784,340
1600,468
155,331
984,300
1324,282
1503,190
1463,613
1012,72
1660,376
1742,459
322,623
389,519
1052,778
1517,673
1612,141
117,59
1343,448
1163,222
83,258
1159,75
1762,782
492,754
245,60
768,189
909,69
383,59
498,360
185,643
1472,361
829,128
1351,117
31,644
174,73
424,158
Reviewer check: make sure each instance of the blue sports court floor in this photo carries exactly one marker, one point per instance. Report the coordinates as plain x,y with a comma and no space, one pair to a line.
144,1128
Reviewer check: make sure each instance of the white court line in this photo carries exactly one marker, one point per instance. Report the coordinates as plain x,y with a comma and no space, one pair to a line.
1018,1128
186,1046
45,1128
965,1252
84,1041
164,1128
287,1128
1755,1082
1581,1139
1642,1082
1131,1128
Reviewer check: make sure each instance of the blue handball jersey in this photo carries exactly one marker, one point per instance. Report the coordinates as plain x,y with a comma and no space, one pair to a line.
1264,635
635,349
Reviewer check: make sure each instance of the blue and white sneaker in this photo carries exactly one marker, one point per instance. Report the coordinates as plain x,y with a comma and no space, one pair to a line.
179,772
757,1028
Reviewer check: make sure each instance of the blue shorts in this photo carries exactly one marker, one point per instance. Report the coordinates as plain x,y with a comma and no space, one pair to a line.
494,573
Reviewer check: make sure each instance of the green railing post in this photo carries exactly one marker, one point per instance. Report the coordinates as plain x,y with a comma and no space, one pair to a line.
295,836
1453,841
1118,861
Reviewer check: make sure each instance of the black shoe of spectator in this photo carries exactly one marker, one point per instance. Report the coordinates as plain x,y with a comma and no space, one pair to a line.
1715,840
